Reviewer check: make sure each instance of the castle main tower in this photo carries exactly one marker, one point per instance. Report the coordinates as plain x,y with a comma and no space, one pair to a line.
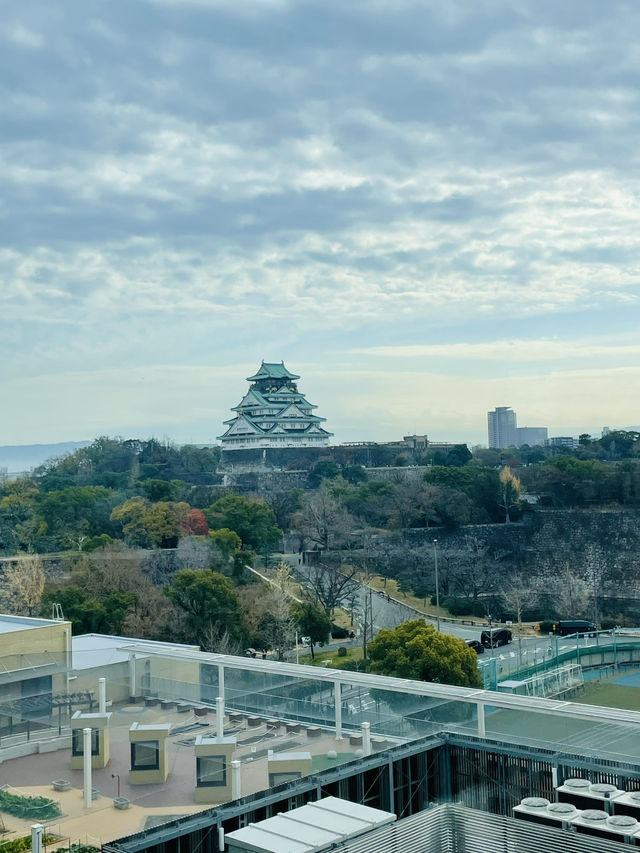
273,414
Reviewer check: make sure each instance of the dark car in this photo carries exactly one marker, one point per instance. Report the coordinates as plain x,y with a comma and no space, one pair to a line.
574,626
491,638
476,645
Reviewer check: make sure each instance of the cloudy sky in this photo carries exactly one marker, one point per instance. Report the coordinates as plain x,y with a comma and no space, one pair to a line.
427,209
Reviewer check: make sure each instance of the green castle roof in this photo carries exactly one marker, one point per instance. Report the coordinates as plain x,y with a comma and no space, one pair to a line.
272,371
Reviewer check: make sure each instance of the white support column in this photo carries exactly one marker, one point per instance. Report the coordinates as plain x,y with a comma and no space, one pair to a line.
221,680
337,695
366,738
102,695
132,676
236,780
554,777
221,838
37,831
481,724
220,716
86,737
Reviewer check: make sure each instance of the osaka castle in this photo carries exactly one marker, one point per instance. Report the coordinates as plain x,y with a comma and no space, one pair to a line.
273,413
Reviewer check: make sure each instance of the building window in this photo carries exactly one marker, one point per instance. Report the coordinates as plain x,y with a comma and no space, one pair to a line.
211,771
77,742
145,755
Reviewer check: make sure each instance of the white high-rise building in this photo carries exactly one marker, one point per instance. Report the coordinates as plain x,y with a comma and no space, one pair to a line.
503,427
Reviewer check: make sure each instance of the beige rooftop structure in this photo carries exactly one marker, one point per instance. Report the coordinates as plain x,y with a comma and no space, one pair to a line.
376,740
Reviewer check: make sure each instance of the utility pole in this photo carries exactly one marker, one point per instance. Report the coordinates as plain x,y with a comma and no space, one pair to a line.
371,612
435,563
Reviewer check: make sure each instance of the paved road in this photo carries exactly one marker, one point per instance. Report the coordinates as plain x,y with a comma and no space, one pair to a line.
525,651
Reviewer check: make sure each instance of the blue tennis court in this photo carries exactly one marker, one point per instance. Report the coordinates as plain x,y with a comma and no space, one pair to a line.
631,680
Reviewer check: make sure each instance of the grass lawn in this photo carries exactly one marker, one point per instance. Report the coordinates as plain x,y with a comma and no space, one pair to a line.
611,696
332,656
390,586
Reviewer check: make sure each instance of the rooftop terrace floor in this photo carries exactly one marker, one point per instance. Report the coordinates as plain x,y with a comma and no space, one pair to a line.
33,774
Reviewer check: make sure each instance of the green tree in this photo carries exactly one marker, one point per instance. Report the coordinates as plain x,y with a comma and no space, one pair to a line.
208,603
416,650
252,520
325,469
311,622
458,456
76,512
157,490
157,525
88,614
19,527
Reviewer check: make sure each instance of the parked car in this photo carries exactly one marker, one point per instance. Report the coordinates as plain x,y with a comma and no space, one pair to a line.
574,626
476,645
491,638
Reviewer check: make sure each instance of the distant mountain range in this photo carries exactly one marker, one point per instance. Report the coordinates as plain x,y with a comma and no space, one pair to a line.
23,457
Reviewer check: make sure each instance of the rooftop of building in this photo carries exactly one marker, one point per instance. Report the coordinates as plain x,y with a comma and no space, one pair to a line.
96,650
269,706
11,624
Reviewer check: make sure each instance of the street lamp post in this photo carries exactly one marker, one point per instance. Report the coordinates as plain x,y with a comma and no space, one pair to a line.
435,563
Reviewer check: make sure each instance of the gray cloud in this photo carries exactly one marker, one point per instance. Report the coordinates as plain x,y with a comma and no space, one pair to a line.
378,171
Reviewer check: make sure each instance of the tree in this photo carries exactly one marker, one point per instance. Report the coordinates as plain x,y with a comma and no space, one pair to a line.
193,553
330,584
25,579
208,602
284,502
311,622
90,615
412,502
458,456
195,524
252,520
157,525
157,490
416,650
518,594
510,491
277,627
323,520
76,512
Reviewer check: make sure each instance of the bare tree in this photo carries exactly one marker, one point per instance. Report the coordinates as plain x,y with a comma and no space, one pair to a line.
267,611
330,584
115,568
215,638
572,592
150,615
519,593
193,553
323,520
24,580
413,502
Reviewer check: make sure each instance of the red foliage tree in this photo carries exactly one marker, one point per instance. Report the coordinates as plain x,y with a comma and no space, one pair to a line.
195,524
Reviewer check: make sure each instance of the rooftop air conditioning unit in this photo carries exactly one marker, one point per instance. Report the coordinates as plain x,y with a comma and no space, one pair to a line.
627,803
599,824
585,795
540,810
532,809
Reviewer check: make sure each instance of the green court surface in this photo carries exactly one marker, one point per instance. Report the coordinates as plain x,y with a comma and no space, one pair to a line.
611,695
